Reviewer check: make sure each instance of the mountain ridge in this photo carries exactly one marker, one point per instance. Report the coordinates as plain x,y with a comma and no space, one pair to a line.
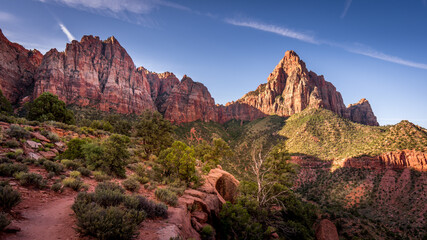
101,74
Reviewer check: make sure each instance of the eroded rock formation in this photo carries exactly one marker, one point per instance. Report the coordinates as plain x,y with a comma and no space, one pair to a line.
95,73
291,88
17,68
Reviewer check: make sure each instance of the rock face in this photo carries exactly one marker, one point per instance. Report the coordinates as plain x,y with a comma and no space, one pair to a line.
291,88
396,160
95,73
17,68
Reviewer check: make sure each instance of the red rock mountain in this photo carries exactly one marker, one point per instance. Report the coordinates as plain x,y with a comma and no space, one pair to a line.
101,74
95,73
17,68
291,88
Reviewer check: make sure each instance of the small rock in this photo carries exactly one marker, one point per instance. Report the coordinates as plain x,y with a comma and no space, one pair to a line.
39,137
326,230
60,144
12,228
33,144
48,155
34,156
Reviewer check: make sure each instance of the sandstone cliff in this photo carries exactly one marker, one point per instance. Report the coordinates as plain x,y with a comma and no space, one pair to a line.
291,88
17,68
95,73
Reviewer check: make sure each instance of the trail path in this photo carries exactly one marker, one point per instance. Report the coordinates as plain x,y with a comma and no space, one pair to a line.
52,220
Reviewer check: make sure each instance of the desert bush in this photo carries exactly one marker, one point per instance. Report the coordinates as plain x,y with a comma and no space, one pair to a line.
102,125
57,187
5,106
53,166
74,183
9,169
109,194
131,184
74,149
8,198
50,175
207,232
11,155
12,143
167,196
52,137
28,179
75,174
84,171
47,107
152,209
103,215
101,176
17,132
70,164
4,221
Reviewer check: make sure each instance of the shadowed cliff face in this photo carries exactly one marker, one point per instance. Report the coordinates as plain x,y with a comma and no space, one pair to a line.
101,74
17,68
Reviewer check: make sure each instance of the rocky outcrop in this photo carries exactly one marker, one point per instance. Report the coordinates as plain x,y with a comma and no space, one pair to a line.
361,112
197,208
161,85
95,73
17,68
291,88
326,230
396,160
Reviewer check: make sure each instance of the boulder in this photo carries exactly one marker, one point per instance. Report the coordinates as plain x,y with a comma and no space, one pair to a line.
33,144
39,137
326,230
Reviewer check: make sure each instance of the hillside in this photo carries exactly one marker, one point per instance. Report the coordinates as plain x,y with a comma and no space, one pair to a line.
321,133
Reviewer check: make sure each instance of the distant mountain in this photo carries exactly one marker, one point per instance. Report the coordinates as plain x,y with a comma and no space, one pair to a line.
101,74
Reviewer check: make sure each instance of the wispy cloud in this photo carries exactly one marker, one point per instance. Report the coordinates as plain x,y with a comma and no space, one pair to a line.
346,7
355,48
6,17
273,29
126,10
388,58
66,32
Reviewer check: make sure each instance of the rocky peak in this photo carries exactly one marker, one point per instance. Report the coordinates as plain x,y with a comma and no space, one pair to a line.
361,112
17,68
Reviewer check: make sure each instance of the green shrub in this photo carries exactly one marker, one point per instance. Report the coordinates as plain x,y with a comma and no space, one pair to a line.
131,184
47,107
17,132
101,176
152,209
4,221
8,198
116,154
5,106
179,161
19,152
57,187
102,125
74,183
70,164
53,166
9,169
12,143
50,175
166,196
106,223
207,232
52,137
75,174
109,194
74,149
28,179
84,171
11,155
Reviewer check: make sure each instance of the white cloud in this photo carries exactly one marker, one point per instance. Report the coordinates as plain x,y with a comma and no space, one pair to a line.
273,29
7,17
115,6
66,32
347,6
358,49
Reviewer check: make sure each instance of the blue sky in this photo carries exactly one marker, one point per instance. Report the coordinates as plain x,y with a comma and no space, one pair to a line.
367,49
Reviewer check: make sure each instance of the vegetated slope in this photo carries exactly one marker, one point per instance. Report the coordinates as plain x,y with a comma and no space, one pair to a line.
243,137
323,134
370,204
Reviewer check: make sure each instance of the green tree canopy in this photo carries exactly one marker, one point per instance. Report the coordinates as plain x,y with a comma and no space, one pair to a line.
155,132
47,107
5,106
179,161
